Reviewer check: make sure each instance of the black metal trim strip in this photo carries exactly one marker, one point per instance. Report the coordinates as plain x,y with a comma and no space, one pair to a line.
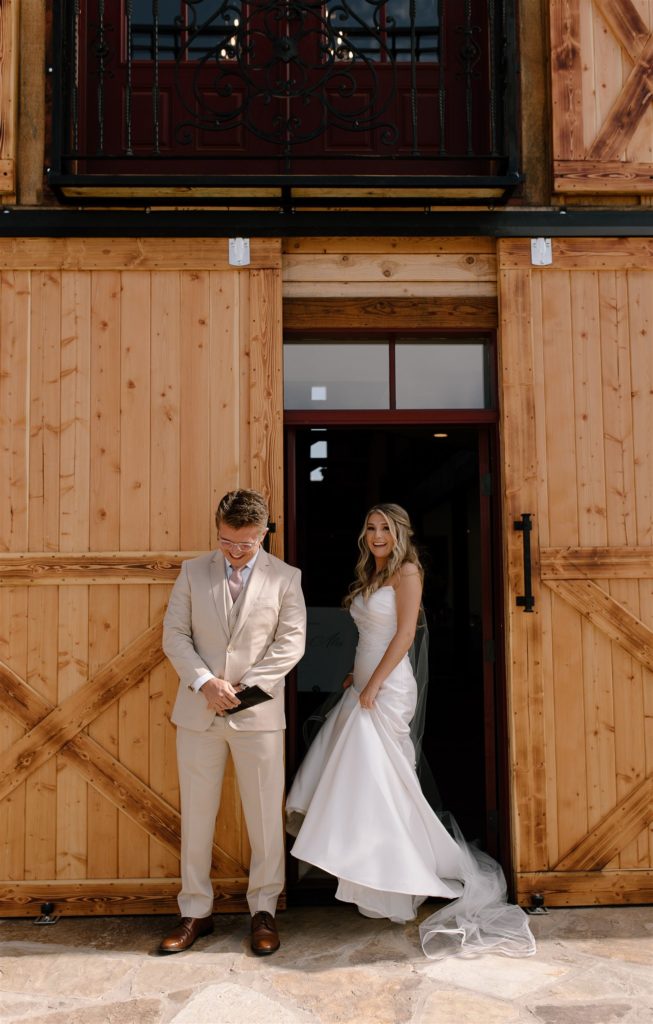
431,182
555,223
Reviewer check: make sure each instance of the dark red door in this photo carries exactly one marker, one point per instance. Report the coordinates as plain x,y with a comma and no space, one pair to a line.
343,86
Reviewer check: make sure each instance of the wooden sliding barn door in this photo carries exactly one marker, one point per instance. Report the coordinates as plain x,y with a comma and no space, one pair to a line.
139,380
602,102
576,369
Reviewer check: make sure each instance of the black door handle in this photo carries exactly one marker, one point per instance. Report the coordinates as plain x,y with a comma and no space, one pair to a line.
526,600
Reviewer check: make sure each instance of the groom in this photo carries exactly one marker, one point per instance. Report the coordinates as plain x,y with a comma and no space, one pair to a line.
236,619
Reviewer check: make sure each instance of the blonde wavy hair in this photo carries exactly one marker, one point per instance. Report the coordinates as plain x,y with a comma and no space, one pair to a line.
366,578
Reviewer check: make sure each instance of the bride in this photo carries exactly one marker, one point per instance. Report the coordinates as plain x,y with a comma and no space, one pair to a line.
356,805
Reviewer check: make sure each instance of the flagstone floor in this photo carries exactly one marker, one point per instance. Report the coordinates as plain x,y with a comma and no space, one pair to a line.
593,966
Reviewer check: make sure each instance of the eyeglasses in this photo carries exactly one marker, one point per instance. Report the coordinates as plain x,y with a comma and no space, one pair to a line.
247,545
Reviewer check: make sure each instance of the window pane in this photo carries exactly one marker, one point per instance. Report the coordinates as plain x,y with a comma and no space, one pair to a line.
354,376
155,38
212,28
403,32
442,376
356,26
185,29
391,31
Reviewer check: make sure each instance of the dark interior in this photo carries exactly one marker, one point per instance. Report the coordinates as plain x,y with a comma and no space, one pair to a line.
339,473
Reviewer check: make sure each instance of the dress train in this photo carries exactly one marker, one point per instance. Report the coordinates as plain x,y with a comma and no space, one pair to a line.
358,811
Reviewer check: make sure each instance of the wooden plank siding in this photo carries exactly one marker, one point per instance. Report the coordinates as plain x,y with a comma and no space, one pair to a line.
370,284
576,342
409,269
138,382
9,24
601,88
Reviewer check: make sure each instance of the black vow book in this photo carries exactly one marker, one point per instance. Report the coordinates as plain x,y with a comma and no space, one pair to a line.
249,698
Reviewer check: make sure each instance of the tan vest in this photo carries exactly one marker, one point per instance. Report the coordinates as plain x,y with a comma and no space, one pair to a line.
235,608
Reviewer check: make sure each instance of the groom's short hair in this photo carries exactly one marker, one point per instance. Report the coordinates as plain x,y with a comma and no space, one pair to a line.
243,508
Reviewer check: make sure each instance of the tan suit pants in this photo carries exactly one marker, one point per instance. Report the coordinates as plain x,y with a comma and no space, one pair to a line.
258,760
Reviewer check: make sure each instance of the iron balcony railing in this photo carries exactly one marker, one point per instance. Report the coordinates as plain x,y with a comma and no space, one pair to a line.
368,94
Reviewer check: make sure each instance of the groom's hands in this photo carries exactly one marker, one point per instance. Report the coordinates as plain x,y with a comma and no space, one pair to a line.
219,695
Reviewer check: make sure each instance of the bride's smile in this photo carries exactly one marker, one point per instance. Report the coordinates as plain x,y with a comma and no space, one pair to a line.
379,538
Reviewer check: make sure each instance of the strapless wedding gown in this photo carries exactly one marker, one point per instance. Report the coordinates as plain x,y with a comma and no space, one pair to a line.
358,811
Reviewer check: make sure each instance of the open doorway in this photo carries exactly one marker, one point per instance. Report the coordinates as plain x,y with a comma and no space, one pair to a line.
440,475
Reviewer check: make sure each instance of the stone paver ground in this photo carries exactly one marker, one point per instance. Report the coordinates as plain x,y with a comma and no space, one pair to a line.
593,966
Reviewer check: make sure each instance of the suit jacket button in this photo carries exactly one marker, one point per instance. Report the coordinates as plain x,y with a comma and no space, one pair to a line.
229,649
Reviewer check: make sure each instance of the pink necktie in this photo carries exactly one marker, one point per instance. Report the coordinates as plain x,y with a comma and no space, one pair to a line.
235,584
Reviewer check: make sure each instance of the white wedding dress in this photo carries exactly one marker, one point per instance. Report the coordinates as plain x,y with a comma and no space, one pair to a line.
357,809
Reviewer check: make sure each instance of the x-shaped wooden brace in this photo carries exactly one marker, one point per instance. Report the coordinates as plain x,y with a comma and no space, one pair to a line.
58,730
633,813
637,41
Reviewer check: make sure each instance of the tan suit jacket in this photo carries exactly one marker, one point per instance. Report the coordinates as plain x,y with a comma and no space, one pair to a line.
264,644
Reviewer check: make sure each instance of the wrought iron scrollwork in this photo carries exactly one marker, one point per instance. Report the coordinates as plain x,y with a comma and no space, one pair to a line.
284,71
470,55
101,33
386,88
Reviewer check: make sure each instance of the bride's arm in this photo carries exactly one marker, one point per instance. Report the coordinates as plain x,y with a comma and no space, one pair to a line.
408,591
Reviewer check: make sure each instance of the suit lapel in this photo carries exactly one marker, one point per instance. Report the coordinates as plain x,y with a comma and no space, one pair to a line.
218,574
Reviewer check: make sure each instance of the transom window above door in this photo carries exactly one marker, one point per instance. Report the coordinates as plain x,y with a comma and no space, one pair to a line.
398,373
348,30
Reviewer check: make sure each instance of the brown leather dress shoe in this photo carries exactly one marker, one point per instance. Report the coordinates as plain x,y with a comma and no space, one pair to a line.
265,937
184,935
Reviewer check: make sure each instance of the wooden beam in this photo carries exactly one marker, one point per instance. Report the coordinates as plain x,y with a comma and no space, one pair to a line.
586,888
471,269
581,254
353,192
77,711
238,198
566,79
616,177
133,254
9,49
360,288
523,632
18,699
266,396
124,896
33,122
124,789
625,23
7,176
624,628
619,563
46,568
478,312
616,830
388,244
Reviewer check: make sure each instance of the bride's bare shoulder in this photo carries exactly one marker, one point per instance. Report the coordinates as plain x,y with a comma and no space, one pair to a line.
405,571
409,569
